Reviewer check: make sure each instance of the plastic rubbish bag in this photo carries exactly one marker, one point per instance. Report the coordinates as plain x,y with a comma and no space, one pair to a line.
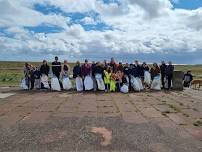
100,82
135,84
23,84
124,89
44,81
166,83
37,84
67,84
55,85
140,83
156,83
88,83
147,78
79,84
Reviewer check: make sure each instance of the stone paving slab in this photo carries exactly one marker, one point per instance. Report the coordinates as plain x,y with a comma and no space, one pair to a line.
134,117
36,117
142,122
151,112
177,118
159,147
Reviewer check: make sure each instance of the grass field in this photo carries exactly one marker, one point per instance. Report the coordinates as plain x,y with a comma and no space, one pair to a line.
11,73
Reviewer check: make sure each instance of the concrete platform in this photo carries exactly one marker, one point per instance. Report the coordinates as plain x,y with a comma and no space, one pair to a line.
135,122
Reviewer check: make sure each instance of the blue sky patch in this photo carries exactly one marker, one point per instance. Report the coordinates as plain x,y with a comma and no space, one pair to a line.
75,19
188,4
45,29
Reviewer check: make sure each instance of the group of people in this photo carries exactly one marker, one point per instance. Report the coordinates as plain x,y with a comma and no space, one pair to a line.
103,76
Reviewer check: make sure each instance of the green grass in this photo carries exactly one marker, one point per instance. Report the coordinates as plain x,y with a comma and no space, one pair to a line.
11,73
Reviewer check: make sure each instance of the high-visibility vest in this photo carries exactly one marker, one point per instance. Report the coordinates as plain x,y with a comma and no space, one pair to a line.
112,85
107,77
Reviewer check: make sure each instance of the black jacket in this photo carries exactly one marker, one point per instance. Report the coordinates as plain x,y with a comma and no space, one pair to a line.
169,70
76,71
188,77
35,74
135,71
93,69
126,70
44,69
57,68
99,70
163,69
142,70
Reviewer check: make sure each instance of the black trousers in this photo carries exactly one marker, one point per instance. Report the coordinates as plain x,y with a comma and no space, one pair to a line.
169,77
107,87
162,80
187,84
32,83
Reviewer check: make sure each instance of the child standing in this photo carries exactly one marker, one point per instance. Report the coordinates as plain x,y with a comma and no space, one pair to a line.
107,78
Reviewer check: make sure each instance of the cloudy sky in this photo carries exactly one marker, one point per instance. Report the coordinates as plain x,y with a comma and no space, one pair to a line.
149,30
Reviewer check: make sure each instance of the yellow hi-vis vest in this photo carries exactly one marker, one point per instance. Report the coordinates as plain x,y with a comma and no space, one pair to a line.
107,77
112,86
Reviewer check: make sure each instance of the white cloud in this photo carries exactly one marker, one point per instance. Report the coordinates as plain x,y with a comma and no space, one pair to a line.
139,26
14,13
88,20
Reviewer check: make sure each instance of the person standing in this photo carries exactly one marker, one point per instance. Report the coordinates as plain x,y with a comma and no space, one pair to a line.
105,64
155,76
27,69
107,78
155,71
113,65
86,76
169,73
136,69
144,67
56,68
99,74
85,69
126,69
44,70
188,77
32,76
65,69
93,66
77,76
119,82
120,67
163,70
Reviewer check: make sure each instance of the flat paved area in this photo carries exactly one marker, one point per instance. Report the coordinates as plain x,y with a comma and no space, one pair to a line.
135,122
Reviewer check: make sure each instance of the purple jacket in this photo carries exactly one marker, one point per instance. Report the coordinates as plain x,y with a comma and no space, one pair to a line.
85,69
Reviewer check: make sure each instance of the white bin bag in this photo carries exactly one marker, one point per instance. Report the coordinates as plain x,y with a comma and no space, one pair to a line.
156,83
55,85
140,83
135,84
67,84
23,84
124,89
100,82
37,84
88,83
79,84
44,81
147,78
